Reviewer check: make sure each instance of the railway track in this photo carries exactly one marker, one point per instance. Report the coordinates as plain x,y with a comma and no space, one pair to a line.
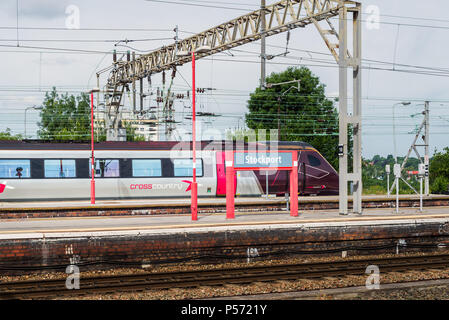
206,206
184,279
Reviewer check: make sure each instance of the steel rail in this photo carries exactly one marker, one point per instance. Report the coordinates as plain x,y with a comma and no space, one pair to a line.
197,278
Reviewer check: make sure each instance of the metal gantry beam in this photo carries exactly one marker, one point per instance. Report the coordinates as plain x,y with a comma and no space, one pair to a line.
276,18
279,17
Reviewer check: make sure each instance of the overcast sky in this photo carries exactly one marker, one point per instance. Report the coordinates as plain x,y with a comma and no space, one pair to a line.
26,73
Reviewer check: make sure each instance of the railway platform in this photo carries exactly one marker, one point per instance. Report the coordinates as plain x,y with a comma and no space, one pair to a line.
70,226
34,244
139,207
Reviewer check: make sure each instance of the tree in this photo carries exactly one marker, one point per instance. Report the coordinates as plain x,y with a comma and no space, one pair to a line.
67,118
439,172
306,115
6,135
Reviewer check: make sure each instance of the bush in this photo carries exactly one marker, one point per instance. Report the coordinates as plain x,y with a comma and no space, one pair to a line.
440,185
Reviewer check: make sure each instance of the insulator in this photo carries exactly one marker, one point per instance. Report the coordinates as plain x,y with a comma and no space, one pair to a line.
128,56
188,94
114,56
173,74
163,77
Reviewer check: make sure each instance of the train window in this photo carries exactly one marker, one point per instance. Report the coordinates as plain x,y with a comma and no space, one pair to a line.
105,168
60,168
147,168
184,167
15,169
313,161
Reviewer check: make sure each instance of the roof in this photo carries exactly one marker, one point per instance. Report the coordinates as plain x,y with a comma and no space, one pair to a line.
140,145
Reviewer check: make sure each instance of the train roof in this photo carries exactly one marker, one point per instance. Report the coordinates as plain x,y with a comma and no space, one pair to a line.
140,145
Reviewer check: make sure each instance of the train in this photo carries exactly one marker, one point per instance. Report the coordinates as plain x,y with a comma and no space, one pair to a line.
49,171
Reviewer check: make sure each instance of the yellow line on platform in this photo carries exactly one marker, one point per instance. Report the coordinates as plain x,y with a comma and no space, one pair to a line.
227,224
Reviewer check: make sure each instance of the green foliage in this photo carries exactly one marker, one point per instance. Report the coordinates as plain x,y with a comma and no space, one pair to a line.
6,135
439,185
375,179
306,115
131,134
375,189
439,172
67,118
374,176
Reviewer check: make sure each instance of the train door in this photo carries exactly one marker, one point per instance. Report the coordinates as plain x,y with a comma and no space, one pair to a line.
301,173
314,172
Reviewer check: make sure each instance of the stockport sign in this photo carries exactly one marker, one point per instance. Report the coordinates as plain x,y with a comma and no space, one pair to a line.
253,160
263,160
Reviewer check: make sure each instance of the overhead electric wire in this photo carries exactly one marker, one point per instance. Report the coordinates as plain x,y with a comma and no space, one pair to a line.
199,5
333,61
56,49
328,65
257,7
86,29
221,2
86,40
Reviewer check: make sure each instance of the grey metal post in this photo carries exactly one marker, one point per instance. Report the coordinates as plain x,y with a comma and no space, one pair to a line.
263,57
134,83
343,113
397,175
387,171
357,112
266,180
25,118
388,184
420,193
98,86
98,102
141,95
397,194
426,142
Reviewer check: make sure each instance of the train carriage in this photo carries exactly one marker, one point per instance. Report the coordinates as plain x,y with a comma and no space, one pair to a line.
33,170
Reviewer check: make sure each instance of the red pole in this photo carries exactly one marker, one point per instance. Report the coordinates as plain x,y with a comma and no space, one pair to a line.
92,182
194,193
230,188
294,186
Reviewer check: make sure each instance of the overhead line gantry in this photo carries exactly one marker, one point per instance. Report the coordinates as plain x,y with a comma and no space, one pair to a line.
270,20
